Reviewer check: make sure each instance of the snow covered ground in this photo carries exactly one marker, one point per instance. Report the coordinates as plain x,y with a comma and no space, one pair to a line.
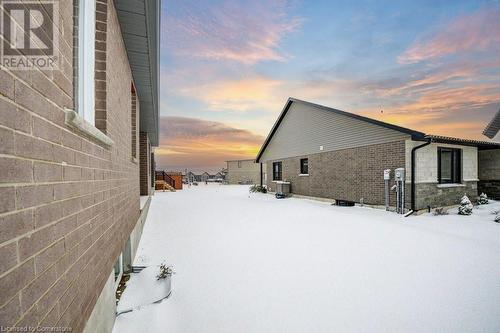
252,263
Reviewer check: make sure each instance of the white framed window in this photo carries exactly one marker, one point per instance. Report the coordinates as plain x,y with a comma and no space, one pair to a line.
86,60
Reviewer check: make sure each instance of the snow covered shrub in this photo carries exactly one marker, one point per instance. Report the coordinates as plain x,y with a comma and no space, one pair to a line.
465,207
258,188
440,211
165,272
483,199
497,219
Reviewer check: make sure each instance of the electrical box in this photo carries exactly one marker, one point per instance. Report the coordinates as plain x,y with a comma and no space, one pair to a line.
387,174
399,174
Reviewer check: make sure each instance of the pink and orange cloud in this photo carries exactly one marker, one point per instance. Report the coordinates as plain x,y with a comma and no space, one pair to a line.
476,32
245,33
238,95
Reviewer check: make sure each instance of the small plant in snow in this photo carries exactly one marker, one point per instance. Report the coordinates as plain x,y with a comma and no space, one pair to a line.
440,211
465,207
497,219
165,272
258,188
483,199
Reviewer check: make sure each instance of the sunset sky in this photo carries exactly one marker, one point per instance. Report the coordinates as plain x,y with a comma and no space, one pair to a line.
228,67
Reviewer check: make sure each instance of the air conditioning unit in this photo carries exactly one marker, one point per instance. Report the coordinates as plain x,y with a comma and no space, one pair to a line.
282,189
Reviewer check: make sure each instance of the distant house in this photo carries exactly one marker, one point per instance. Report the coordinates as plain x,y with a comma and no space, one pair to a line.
243,172
489,171
329,153
224,173
204,177
191,176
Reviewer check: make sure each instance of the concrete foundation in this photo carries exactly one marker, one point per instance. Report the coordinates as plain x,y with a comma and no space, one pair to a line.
133,243
103,316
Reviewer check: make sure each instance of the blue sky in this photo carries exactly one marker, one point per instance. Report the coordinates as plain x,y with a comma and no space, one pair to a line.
227,68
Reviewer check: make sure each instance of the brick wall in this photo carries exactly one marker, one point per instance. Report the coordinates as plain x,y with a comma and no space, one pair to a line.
349,174
243,172
489,173
101,25
134,122
67,204
145,163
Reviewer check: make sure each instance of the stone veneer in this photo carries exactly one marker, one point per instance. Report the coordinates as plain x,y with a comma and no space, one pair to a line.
436,195
349,174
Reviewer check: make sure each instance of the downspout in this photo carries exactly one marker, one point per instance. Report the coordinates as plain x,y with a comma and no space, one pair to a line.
261,180
413,173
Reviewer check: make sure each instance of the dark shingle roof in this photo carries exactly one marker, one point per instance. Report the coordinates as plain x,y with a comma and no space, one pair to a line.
493,127
464,142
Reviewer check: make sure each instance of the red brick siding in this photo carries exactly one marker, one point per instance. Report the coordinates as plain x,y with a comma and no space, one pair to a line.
67,204
100,65
145,163
134,124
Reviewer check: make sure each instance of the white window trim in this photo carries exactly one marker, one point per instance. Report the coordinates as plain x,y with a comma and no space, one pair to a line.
448,185
82,119
86,60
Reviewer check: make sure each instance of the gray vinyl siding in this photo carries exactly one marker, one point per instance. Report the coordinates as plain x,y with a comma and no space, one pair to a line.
305,128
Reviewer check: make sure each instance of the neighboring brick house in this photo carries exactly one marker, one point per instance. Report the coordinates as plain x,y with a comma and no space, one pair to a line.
243,172
489,161
73,143
334,154
177,177
173,178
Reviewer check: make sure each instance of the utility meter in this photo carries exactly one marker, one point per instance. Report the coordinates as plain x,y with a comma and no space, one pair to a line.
399,174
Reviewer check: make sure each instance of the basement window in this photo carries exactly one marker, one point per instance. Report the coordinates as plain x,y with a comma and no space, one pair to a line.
277,174
304,166
449,165
86,60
